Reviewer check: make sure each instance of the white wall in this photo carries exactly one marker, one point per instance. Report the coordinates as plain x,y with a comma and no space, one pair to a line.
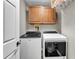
68,28
43,27
23,25
59,20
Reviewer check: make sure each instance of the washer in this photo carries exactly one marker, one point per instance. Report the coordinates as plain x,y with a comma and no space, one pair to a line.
31,45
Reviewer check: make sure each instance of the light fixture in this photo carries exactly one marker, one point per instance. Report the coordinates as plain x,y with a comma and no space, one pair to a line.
54,3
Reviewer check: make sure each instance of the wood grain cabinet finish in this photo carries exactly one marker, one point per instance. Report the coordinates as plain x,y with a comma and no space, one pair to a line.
42,15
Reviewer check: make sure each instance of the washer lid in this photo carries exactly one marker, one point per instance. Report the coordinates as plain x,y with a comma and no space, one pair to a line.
55,35
45,32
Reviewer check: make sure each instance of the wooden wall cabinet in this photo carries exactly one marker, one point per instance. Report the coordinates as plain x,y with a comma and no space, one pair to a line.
42,15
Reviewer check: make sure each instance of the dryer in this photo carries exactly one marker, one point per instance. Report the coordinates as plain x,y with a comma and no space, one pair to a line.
54,46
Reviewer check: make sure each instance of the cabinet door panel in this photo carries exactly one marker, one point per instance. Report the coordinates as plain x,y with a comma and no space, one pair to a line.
47,16
9,21
34,15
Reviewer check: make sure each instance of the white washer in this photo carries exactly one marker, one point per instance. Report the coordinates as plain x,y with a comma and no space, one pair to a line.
54,46
30,48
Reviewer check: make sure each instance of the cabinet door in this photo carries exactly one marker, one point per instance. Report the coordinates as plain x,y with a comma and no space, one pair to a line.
9,21
34,15
42,15
49,16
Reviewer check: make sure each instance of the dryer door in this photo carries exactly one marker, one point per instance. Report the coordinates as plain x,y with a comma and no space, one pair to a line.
54,49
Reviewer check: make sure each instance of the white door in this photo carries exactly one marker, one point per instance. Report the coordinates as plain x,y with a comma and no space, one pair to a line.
10,48
12,2
9,21
13,55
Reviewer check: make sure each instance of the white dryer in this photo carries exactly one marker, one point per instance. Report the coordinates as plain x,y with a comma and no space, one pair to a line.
54,46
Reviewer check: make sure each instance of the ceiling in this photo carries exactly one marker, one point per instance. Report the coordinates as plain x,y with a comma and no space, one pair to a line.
38,2
46,3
